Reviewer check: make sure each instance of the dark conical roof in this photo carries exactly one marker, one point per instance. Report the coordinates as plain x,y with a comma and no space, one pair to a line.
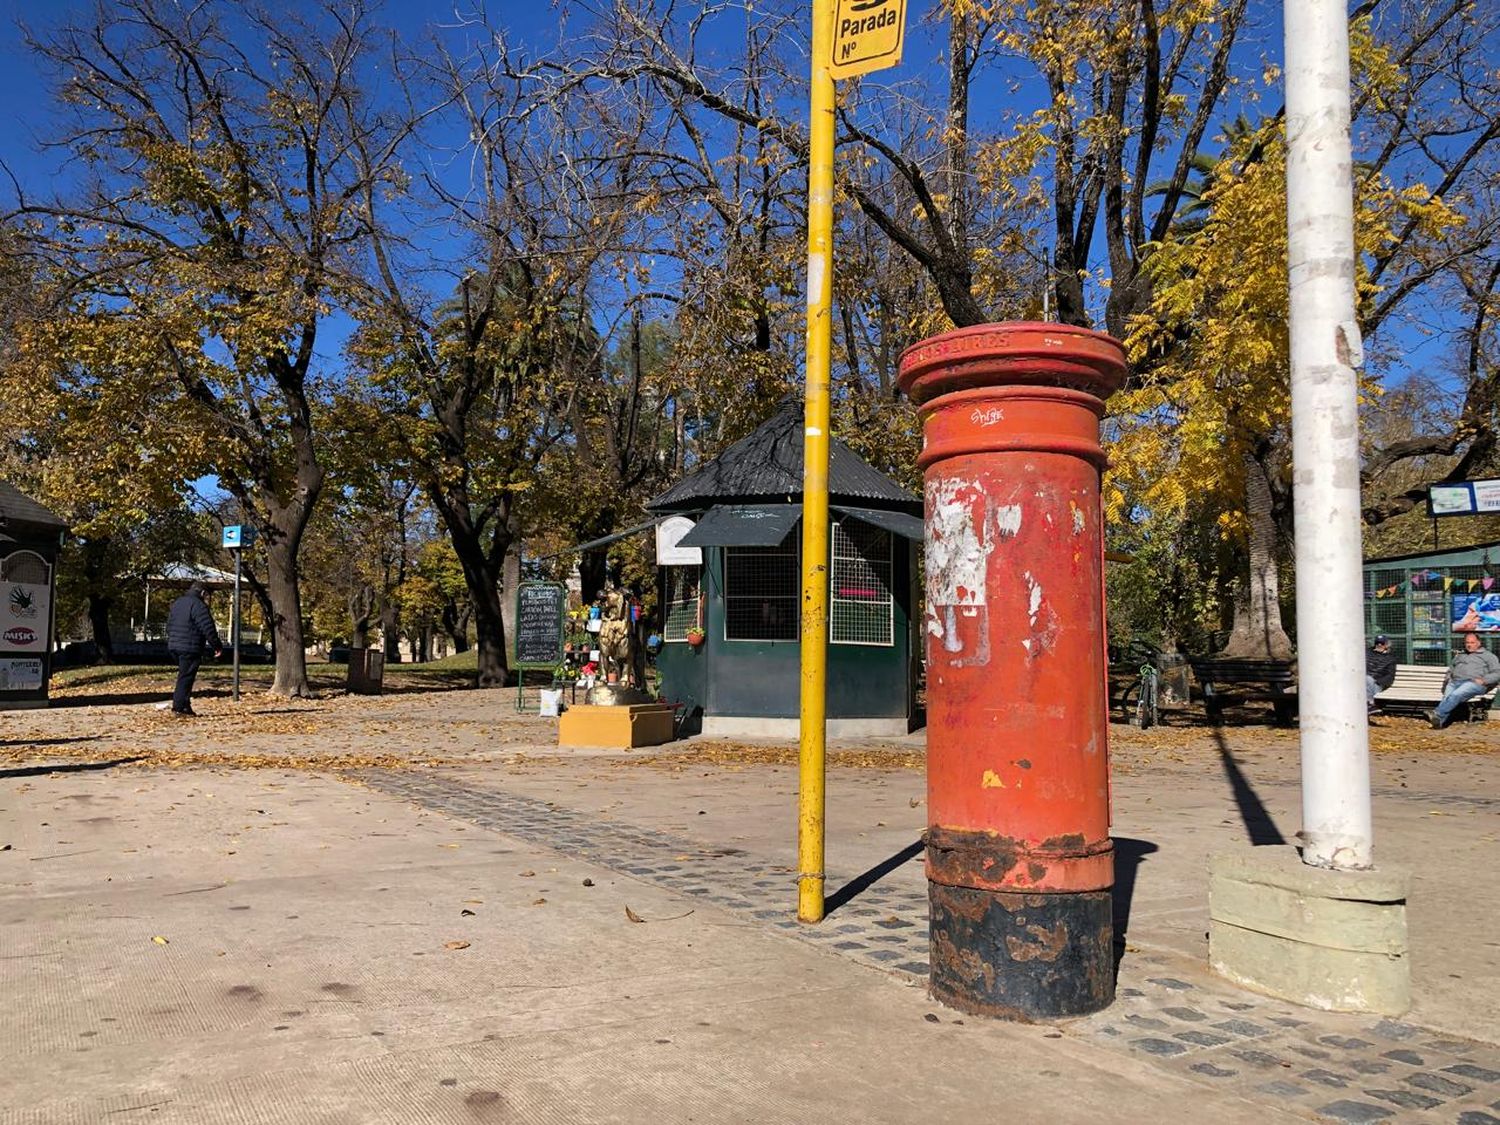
767,465
22,512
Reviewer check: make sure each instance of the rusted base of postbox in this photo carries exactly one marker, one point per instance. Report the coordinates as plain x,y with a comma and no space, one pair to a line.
964,858
1021,957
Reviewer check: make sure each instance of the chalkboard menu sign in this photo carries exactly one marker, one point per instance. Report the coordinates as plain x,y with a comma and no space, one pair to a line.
539,624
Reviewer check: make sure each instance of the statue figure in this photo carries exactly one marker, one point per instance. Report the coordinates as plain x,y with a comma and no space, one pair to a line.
617,640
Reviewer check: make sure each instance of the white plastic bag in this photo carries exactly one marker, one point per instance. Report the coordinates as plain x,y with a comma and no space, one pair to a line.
552,703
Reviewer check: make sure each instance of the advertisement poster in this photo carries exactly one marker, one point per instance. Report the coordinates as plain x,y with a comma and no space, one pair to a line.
24,617
20,675
1476,613
1487,495
1429,621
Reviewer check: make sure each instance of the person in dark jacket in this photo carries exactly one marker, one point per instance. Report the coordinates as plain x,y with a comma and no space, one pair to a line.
189,627
1380,668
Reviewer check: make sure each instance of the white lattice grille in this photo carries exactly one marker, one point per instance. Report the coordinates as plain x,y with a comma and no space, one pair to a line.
25,566
680,604
861,607
761,587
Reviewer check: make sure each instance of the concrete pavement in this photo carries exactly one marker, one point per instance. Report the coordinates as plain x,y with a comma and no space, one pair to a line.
311,967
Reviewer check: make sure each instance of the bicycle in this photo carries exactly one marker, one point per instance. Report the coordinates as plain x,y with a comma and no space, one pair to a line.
1145,705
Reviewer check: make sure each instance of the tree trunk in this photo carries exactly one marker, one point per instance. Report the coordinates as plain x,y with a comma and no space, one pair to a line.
262,599
593,568
99,624
483,581
99,583
360,604
489,632
390,632
456,625
1258,633
284,590
510,578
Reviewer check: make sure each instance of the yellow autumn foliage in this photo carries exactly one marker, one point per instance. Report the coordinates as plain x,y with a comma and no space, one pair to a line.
1211,355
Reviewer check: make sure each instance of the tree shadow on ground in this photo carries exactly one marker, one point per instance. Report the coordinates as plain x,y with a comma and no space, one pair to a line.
112,699
69,767
49,741
1193,717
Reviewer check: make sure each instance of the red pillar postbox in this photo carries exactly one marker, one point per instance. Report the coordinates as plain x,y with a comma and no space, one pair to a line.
1019,859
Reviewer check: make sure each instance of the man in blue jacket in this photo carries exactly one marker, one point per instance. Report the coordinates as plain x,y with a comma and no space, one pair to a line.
1472,673
189,627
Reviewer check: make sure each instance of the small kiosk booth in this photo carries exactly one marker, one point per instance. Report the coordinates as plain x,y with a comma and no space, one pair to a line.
30,538
730,582
1425,601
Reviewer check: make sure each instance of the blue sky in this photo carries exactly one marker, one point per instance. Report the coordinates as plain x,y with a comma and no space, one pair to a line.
25,102
25,112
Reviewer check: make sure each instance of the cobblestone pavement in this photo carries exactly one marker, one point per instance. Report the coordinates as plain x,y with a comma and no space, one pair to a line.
1335,1067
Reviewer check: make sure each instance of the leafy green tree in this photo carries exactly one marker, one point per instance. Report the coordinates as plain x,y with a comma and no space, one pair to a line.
211,234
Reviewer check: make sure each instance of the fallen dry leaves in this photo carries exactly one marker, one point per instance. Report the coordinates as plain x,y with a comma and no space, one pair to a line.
349,734
737,755
145,757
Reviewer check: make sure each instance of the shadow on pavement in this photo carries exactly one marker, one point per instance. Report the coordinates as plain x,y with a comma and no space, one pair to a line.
1129,855
850,890
49,741
110,699
69,767
1257,818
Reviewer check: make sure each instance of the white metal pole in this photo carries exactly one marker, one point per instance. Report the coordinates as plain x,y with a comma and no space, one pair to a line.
1325,350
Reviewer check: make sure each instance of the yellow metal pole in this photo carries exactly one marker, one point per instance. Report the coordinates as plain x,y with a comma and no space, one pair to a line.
812,772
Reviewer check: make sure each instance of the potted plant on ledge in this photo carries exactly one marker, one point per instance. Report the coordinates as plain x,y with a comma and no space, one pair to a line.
694,635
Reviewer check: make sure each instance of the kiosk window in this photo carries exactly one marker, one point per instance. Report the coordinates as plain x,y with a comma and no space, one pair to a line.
861,607
680,603
761,586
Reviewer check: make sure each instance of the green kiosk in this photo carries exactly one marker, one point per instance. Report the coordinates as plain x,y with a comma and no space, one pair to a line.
729,572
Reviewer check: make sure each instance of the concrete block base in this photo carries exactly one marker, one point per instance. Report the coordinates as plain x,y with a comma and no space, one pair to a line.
1328,939
753,726
622,727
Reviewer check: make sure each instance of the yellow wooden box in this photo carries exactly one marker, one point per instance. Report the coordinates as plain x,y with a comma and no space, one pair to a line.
624,727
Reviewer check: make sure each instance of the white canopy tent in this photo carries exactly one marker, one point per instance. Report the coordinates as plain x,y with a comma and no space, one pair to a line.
183,575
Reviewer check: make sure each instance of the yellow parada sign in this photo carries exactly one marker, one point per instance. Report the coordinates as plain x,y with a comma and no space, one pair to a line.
867,35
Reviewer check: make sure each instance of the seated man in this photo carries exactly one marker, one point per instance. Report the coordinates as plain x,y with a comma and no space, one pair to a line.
1380,669
1473,672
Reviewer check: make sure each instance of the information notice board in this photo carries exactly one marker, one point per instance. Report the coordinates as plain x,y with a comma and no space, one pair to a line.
540,607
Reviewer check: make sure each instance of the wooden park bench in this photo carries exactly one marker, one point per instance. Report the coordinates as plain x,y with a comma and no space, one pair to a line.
1227,682
1419,687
